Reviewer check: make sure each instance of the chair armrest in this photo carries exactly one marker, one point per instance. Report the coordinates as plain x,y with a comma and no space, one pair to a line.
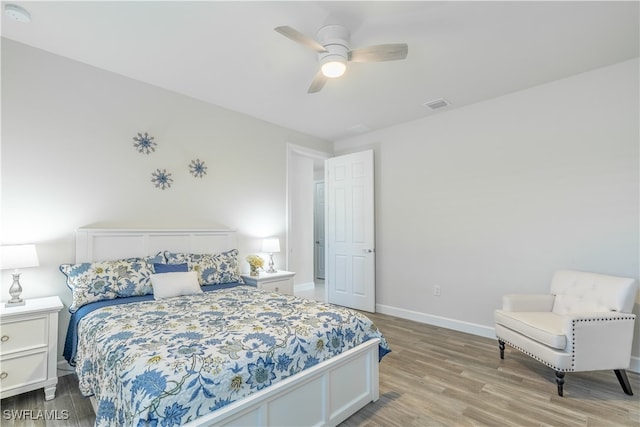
600,340
527,302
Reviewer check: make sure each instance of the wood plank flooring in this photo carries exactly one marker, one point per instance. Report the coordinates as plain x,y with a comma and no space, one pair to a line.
439,377
68,409
434,377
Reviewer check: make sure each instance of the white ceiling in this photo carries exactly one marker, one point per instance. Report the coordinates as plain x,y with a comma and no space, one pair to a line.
226,53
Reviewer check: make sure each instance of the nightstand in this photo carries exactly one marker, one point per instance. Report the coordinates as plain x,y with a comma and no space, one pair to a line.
29,347
282,281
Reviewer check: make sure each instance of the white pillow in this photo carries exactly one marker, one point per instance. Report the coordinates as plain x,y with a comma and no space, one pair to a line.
166,285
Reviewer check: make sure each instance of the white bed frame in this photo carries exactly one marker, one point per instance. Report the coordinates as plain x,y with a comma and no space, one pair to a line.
323,395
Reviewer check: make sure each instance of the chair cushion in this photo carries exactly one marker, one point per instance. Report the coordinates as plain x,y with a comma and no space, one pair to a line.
544,327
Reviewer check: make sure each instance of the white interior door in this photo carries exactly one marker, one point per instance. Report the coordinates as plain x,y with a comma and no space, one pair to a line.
350,234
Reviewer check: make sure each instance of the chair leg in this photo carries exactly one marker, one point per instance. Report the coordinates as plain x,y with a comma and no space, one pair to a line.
624,381
501,345
560,382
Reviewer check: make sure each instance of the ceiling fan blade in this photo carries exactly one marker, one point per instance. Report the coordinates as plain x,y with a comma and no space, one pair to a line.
379,53
318,83
298,37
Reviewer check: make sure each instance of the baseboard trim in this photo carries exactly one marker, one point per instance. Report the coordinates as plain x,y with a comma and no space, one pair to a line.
64,368
461,326
444,322
309,286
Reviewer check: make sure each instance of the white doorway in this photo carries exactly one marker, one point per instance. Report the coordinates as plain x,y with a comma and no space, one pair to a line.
350,259
304,168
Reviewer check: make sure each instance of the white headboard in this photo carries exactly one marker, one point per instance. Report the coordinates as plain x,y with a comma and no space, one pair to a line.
102,244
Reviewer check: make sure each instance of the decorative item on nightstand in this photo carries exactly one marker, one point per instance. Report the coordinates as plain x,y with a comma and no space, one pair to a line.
270,246
16,257
255,262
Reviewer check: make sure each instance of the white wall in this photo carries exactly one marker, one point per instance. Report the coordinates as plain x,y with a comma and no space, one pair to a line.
68,162
494,197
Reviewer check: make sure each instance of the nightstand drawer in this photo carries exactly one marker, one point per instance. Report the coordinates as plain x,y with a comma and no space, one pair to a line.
23,370
280,281
23,334
282,286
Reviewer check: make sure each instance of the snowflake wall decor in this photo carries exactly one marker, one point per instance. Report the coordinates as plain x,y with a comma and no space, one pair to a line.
144,143
161,179
197,168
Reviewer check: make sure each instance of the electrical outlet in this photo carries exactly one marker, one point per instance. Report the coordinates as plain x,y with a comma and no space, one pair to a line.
436,291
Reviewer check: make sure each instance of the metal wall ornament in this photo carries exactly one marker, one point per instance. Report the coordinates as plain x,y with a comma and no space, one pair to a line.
144,143
197,168
161,179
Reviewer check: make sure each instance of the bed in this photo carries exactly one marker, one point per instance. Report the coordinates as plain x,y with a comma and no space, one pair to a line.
207,354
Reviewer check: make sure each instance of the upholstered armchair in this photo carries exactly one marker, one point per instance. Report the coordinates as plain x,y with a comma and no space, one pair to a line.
583,324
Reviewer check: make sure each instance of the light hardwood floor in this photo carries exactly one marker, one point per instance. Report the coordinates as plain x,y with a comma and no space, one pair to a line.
438,377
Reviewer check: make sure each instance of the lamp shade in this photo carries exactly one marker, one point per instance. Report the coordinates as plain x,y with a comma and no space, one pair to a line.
271,245
18,256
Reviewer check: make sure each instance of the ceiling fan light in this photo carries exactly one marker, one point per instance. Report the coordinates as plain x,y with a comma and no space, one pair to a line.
333,69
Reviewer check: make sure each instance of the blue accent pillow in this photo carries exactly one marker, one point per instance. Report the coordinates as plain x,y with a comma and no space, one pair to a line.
170,268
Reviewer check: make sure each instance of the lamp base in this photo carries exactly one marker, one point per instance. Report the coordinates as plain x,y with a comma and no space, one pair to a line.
15,290
271,269
10,304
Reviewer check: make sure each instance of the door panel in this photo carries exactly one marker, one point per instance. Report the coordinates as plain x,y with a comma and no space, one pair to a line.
340,277
359,274
359,233
350,234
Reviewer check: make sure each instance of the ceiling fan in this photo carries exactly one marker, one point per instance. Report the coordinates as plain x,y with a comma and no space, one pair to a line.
333,51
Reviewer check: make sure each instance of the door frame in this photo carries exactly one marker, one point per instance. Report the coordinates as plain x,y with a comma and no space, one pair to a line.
317,236
294,150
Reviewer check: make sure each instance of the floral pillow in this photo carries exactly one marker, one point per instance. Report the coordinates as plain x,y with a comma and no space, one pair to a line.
101,280
212,269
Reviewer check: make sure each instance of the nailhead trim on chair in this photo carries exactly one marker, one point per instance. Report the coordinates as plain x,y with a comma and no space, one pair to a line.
533,356
573,352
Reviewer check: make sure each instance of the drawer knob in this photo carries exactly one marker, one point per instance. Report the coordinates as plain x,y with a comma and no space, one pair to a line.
3,375
5,338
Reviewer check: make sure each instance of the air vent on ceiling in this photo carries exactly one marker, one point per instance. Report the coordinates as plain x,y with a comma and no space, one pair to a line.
437,104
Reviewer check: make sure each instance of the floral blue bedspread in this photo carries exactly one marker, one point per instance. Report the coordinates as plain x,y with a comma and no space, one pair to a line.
168,362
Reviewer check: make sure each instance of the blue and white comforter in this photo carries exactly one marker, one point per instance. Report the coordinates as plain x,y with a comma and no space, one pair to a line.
168,362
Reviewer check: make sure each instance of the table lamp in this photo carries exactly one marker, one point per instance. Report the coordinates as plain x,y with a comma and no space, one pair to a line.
16,257
270,246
